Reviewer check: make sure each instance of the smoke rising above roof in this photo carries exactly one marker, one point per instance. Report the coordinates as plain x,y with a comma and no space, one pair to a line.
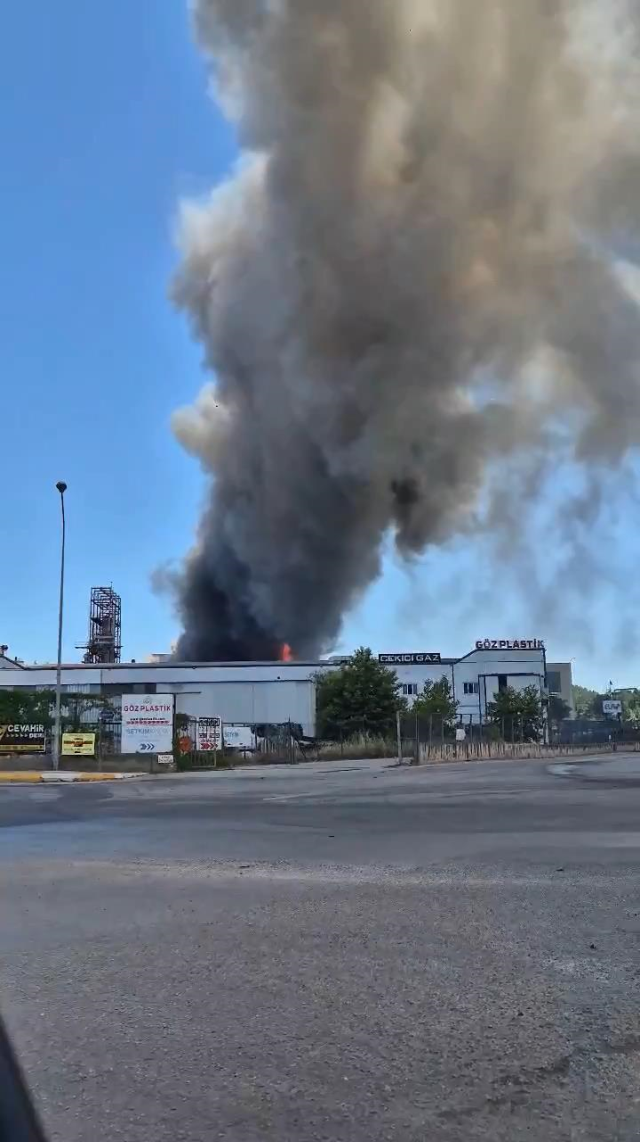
408,280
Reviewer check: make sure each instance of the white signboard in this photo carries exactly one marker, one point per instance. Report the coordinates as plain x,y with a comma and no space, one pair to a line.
612,706
208,735
239,737
147,723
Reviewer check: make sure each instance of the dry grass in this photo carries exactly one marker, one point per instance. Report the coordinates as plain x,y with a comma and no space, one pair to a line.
355,749
485,752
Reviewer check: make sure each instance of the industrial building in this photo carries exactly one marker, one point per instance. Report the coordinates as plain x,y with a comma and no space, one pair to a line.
477,677
276,692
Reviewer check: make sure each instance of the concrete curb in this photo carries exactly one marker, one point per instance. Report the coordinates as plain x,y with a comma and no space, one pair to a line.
61,778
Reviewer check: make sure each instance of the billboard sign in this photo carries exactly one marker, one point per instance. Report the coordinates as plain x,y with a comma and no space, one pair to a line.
421,659
147,723
208,735
239,737
22,739
78,745
508,644
612,707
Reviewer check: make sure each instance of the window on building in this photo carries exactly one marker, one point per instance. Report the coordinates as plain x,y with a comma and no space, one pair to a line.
410,689
117,689
554,682
503,682
472,687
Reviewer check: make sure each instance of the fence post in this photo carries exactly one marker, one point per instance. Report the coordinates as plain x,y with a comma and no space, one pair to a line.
417,731
399,737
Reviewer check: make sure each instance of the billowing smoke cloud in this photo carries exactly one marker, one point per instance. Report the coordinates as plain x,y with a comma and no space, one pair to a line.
420,270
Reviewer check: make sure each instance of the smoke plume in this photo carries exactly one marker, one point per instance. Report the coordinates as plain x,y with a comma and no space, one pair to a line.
422,269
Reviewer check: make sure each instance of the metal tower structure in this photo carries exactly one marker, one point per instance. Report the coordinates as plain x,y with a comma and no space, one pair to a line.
104,644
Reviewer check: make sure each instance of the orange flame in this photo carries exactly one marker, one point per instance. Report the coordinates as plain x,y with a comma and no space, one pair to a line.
286,653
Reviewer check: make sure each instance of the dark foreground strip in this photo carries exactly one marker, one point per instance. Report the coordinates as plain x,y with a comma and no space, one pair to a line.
18,1119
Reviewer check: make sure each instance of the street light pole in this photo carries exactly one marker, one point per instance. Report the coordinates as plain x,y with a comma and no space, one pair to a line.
62,487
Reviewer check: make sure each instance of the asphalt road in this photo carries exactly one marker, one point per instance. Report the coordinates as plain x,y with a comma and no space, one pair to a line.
348,952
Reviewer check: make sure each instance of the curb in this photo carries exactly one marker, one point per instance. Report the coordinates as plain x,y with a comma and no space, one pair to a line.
61,778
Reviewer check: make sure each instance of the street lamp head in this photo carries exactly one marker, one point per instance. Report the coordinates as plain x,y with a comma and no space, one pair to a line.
61,486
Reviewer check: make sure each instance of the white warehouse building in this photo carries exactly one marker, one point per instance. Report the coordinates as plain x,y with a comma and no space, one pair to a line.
252,693
479,676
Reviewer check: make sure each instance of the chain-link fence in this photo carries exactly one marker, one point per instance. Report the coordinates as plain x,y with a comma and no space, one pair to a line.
435,738
235,742
199,743
420,739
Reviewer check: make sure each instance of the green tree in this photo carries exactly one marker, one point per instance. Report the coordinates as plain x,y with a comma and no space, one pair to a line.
631,708
583,700
362,696
437,702
26,707
517,714
36,707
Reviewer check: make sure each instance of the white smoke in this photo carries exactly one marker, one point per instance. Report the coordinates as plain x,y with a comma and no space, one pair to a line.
419,271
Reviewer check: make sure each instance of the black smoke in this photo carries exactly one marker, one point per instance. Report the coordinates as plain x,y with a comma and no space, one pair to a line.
408,281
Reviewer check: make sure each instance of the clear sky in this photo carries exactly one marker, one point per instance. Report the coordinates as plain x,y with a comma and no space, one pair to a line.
106,123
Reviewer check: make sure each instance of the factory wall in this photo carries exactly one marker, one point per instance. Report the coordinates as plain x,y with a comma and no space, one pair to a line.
246,693
253,693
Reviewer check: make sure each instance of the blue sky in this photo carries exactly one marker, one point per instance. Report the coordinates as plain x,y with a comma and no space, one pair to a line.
106,124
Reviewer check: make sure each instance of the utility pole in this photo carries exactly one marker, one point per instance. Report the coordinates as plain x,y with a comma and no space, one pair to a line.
62,487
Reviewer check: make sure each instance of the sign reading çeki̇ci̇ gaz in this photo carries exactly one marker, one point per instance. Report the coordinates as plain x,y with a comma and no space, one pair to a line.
420,659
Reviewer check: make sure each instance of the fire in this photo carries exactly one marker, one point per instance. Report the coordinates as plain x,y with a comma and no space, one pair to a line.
286,653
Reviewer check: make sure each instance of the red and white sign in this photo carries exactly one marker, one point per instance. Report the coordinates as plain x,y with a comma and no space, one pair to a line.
208,735
147,723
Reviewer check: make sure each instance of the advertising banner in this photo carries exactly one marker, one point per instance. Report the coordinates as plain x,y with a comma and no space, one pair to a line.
147,723
78,745
208,735
22,739
239,737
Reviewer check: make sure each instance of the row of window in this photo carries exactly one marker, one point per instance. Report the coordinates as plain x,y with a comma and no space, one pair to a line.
411,689
553,684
